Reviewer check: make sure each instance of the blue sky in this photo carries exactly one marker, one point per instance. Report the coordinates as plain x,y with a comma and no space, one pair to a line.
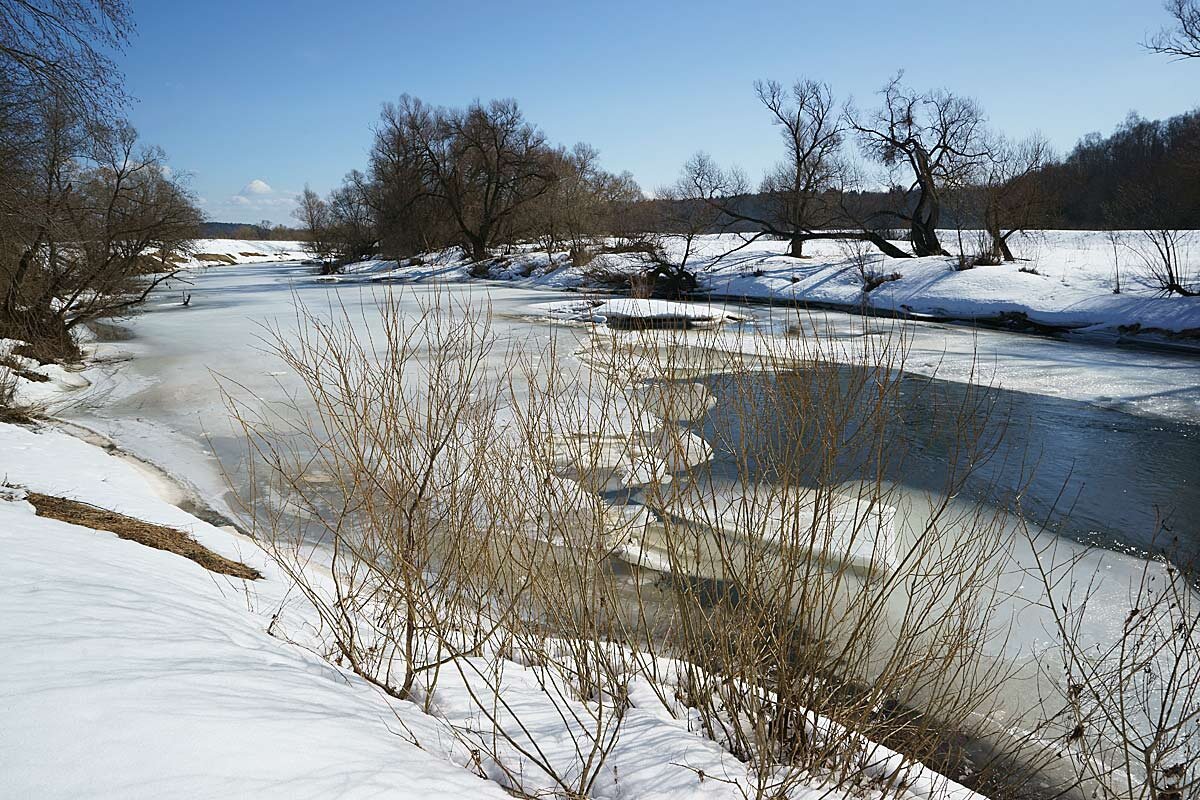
255,98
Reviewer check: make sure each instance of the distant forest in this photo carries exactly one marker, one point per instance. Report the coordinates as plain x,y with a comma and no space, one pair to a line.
241,230
1145,174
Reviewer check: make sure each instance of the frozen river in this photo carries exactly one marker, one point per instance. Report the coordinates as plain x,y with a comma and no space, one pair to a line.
1114,432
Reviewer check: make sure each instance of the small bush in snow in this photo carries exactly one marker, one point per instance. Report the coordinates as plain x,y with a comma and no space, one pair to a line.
873,279
1164,260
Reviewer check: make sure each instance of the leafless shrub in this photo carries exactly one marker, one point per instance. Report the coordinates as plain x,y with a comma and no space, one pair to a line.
8,391
14,409
1128,706
787,639
645,245
439,537
806,617
1115,238
867,264
1163,254
982,254
581,256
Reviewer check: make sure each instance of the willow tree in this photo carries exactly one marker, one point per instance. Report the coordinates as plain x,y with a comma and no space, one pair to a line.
474,168
800,199
938,137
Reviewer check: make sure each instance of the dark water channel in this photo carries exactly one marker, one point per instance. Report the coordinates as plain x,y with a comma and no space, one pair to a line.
1096,475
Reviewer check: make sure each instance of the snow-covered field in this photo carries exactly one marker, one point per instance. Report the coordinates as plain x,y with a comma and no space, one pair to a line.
210,252
1064,280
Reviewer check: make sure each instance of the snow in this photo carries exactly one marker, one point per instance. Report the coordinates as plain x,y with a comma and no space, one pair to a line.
1064,280
1070,286
629,311
133,672
57,382
245,251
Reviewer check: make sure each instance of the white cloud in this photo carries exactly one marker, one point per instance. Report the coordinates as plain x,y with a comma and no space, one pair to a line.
257,200
256,186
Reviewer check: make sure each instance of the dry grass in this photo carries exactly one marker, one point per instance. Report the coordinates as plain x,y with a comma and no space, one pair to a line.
457,543
11,411
159,537
215,258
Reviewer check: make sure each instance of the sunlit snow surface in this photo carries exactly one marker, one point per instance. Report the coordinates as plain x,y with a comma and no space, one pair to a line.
156,391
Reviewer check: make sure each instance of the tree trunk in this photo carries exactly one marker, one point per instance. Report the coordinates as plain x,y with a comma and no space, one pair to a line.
925,239
1004,249
925,219
882,244
479,251
796,250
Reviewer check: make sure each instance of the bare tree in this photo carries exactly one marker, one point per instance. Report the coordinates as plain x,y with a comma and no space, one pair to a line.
61,47
1182,39
800,199
409,218
1014,197
94,223
684,216
580,207
352,217
313,214
938,136
480,165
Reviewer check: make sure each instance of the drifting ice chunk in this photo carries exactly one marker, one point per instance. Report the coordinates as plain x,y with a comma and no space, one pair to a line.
639,313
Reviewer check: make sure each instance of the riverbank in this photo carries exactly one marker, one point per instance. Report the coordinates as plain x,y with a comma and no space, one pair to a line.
120,654
1065,284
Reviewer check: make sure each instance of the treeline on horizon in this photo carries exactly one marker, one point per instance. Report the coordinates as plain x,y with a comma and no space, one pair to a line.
1096,186
483,176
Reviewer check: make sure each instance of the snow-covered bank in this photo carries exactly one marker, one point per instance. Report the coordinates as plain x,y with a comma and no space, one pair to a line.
215,252
1066,281
134,672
